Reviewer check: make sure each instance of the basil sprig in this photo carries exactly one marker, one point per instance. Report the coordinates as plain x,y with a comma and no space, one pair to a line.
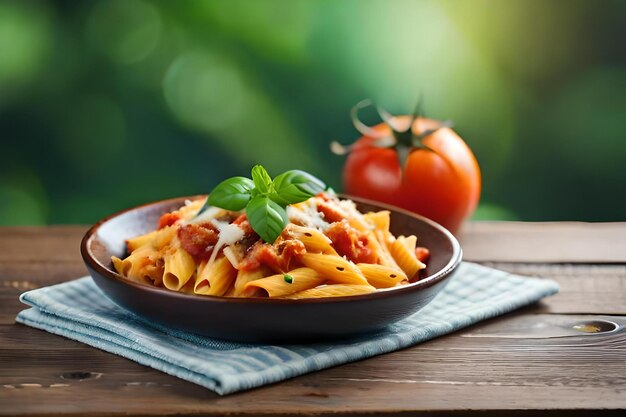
265,200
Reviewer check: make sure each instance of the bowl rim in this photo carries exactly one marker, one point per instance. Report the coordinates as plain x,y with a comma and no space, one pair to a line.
441,275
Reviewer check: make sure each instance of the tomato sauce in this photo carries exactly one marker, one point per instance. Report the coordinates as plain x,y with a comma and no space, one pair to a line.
288,250
168,219
422,254
331,212
351,243
261,254
198,240
278,258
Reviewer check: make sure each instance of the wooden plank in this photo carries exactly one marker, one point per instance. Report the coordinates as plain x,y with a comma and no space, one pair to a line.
521,361
584,289
547,242
38,274
37,256
503,364
51,243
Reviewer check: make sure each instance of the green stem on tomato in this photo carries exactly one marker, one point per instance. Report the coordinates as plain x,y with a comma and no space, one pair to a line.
402,141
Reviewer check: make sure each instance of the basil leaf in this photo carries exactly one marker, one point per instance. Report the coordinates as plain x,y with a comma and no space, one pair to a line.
262,180
266,217
265,200
231,194
295,186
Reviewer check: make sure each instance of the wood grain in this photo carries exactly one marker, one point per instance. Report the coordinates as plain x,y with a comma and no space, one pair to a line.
35,254
545,242
499,364
531,362
598,289
58,243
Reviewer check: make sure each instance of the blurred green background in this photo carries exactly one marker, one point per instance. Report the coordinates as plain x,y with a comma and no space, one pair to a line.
109,104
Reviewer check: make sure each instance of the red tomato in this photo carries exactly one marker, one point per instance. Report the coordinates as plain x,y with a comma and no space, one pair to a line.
443,185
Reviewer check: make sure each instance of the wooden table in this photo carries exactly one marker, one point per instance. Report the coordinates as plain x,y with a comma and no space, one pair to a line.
535,361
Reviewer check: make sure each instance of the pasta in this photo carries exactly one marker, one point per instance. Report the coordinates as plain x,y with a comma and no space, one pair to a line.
335,290
216,278
381,276
314,241
244,277
300,279
179,267
404,255
328,249
335,268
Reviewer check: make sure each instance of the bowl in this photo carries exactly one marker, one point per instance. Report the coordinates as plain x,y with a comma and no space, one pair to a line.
263,320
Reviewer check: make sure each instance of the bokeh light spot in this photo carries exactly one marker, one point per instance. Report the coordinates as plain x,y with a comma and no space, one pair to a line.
208,92
276,29
526,42
204,91
126,30
24,40
22,199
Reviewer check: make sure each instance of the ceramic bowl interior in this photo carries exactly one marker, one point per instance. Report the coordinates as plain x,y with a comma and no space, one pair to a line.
263,319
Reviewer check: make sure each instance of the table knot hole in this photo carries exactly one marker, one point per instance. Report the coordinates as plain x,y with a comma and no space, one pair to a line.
596,326
80,375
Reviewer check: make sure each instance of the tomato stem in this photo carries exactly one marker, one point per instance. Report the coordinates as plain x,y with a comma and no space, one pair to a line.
402,141
358,124
402,153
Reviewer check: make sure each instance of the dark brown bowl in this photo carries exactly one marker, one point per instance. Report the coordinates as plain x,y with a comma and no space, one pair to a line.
263,319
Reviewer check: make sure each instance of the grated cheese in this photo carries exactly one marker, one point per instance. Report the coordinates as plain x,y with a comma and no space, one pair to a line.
207,215
229,234
307,215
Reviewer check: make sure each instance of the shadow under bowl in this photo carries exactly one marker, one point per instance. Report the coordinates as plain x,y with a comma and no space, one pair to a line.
262,319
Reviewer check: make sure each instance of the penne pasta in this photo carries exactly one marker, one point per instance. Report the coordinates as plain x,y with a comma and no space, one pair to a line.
230,292
215,278
334,268
314,240
382,254
164,238
179,267
143,240
188,287
157,239
410,242
381,276
191,208
244,277
379,219
117,265
405,258
335,290
327,249
141,266
279,285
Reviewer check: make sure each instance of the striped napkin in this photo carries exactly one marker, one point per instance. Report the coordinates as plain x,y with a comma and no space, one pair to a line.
79,310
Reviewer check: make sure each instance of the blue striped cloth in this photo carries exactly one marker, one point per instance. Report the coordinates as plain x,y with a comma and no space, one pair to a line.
79,310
